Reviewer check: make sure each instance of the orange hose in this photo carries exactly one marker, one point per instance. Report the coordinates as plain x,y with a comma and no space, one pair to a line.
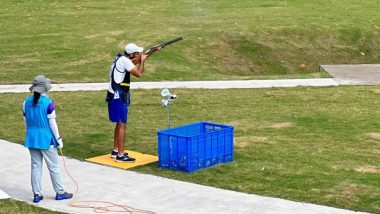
106,207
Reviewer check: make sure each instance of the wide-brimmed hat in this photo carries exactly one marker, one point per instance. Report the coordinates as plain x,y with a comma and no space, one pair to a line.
41,84
133,48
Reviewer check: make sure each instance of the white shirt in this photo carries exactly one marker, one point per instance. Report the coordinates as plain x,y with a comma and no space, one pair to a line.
123,65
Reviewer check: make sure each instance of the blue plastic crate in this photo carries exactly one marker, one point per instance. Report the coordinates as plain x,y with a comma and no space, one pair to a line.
195,146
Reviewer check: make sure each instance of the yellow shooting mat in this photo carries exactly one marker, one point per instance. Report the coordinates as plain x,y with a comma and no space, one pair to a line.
141,159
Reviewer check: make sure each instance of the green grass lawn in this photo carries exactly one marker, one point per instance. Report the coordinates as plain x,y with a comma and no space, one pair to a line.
318,145
75,41
20,207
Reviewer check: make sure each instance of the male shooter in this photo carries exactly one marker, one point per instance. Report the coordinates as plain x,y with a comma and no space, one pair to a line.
118,95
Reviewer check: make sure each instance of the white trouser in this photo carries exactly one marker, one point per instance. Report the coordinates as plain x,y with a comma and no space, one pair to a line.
51,159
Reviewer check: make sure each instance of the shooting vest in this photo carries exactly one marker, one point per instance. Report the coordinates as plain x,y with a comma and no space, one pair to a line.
38,132
124,85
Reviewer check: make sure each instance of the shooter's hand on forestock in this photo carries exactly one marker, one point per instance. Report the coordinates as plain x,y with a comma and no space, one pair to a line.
60,143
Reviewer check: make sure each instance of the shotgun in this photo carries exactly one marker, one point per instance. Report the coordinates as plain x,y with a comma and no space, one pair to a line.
151,50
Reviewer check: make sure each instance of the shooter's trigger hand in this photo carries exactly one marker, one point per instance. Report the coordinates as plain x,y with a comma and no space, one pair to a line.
144,56
60,143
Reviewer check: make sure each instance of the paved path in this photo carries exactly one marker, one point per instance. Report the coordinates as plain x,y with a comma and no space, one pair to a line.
142,191
360,74
182,84
3,195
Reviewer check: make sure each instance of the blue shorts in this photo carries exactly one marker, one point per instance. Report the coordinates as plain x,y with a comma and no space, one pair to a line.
117,111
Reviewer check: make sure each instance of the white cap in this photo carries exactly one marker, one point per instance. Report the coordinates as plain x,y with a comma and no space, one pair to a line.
132,48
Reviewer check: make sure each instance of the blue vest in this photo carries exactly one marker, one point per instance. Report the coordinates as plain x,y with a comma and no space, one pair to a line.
38,132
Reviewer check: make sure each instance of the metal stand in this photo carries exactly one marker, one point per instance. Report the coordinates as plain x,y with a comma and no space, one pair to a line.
168,115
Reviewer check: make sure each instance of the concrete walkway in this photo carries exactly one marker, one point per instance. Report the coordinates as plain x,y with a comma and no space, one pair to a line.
359,74
182,84
3,195
142,191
